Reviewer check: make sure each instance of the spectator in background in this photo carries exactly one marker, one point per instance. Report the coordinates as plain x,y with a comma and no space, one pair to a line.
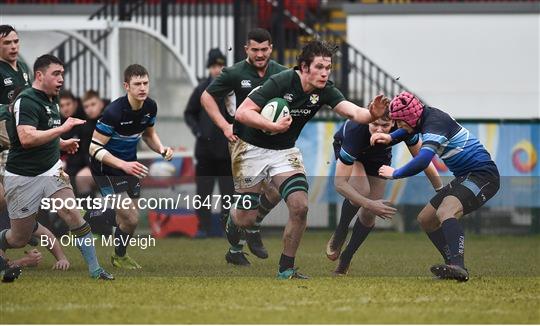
211,146
99,220
93,107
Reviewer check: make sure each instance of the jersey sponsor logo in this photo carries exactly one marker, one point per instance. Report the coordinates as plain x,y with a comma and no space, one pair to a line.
246,83
122,123
8,81
53,123
10,95
314,98
298,112
288,97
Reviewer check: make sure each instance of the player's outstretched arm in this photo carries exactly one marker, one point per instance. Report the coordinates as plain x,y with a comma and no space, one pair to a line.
209,104
32,258
362,115
416,165
430,171
30,137
248,113
341,182
98,152
151,138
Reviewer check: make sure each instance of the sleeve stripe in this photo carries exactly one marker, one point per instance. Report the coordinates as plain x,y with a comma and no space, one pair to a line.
346,157
433,137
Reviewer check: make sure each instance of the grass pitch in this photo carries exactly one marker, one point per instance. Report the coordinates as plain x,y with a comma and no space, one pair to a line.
188,281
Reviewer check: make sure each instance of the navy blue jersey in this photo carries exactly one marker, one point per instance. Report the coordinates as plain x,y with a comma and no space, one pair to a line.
125,127
456,146
354,139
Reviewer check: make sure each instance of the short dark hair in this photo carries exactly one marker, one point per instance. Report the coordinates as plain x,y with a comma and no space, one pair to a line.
314,49
90,94
259,35
45,61
134,70
66,93
6,29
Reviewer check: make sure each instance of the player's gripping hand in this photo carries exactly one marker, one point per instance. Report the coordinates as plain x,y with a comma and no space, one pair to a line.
381,208
71,122
386,172
61,265
167,153
377,106
282,125
229,133
135,168
380,138
71,146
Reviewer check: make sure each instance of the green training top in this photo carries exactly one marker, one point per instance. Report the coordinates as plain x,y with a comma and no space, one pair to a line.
240,79
32,107
11,80
302,107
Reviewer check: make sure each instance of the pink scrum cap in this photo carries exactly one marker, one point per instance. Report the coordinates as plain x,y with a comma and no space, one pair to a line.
405,106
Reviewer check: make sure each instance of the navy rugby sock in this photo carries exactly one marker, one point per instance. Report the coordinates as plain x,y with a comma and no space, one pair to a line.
438,240
348,211
453,233
122,239
359,234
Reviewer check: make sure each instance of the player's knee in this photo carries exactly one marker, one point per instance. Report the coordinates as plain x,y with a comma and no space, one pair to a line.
298,209
132,219
368,219
72,217
19,240
444,212
427,223
246,221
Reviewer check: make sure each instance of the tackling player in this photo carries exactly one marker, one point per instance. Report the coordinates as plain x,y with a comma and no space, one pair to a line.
476,176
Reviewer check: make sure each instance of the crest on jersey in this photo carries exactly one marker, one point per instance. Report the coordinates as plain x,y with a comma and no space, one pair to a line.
314,98
25,76
288,97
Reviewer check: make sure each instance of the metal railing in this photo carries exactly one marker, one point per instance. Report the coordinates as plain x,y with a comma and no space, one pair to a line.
83,69
196,27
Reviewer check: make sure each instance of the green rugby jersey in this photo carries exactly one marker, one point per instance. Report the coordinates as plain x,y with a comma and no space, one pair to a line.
33,107
11,80
302,107
240,78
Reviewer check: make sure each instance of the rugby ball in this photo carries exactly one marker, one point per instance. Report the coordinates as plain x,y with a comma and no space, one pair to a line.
275,109
162,169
